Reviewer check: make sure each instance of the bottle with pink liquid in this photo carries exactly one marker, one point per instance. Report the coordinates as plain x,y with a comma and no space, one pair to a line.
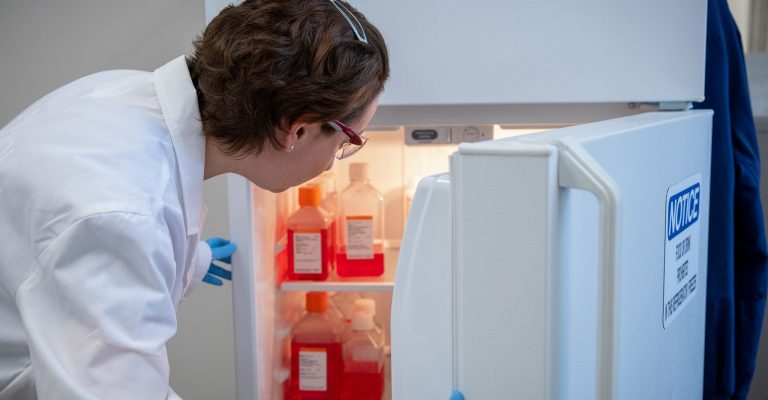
360,227
363,361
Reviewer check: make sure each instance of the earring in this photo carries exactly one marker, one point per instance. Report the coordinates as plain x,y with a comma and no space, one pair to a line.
293,146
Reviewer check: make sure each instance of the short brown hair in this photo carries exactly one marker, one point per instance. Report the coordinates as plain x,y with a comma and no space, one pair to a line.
264,64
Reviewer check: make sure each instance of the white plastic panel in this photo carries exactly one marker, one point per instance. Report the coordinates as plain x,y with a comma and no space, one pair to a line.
422,346
526,51
505,213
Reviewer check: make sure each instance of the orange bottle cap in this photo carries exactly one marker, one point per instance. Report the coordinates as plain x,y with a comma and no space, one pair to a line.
317,301
309,195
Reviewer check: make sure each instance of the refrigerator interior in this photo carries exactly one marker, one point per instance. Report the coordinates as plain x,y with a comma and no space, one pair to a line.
395,168
267,305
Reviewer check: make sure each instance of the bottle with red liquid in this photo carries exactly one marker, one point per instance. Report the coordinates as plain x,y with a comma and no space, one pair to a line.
327,183
316,353
309,252
363,377
360,227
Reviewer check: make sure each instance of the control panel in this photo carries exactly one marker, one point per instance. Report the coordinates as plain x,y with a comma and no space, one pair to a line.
447,134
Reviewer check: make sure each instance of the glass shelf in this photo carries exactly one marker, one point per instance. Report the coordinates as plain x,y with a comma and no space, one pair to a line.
385,283
337,286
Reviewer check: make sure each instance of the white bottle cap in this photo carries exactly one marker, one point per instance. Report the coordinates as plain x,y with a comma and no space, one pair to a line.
358,171
366,305
362,321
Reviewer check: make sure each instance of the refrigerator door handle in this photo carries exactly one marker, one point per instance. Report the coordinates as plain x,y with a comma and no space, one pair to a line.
578,170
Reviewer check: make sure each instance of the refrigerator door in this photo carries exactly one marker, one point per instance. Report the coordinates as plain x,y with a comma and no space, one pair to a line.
445,52
252,226
545,307
659,281
422,363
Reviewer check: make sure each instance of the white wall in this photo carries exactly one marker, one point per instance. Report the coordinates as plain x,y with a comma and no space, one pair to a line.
740,9
45,44
757,69
759,388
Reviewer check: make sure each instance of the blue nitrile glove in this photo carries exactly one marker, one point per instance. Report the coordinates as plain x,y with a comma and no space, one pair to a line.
457,395
221,250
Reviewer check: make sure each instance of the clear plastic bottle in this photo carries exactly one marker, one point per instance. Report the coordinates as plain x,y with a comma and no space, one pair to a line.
363,377
360,227
327,183
309,251
368,306
409,191
316,353
344,304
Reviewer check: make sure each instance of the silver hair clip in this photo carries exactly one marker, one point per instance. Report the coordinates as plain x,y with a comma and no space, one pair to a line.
356,26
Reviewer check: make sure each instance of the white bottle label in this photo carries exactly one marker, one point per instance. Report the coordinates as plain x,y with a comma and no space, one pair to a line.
313,369
359,237
307,253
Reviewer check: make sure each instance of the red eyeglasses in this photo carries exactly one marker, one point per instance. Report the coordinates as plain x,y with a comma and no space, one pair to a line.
353,144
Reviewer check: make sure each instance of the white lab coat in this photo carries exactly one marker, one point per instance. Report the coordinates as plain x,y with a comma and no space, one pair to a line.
100,216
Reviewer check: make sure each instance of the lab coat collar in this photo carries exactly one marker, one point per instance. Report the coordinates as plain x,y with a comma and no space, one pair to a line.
178,100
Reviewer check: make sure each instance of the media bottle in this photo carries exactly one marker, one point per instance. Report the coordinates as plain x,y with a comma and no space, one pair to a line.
316,346
329,203
363,361
368,306
360,227
309,250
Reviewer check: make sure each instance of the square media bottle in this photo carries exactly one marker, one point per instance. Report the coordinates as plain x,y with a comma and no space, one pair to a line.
363,360
360,227
309,250
316,353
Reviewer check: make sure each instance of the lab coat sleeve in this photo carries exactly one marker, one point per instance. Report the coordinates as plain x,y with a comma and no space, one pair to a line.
98,310
201,263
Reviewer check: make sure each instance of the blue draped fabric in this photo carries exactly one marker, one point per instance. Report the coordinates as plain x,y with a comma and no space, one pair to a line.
736,282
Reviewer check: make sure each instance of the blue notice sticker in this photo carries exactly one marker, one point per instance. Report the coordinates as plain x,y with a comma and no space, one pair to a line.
681,255
682,210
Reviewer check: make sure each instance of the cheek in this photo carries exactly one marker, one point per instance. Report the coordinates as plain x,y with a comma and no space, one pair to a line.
319,159
324,164
330,164
313,165
329,153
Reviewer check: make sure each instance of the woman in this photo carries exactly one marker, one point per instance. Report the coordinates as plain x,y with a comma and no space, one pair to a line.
101,183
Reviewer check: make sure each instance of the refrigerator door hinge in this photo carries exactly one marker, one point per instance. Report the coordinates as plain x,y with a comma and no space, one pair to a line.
675,105
663,105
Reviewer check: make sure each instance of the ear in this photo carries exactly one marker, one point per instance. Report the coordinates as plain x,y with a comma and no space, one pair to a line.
290,137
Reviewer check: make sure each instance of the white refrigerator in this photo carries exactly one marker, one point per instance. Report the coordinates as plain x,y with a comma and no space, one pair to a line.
566,258
568,265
